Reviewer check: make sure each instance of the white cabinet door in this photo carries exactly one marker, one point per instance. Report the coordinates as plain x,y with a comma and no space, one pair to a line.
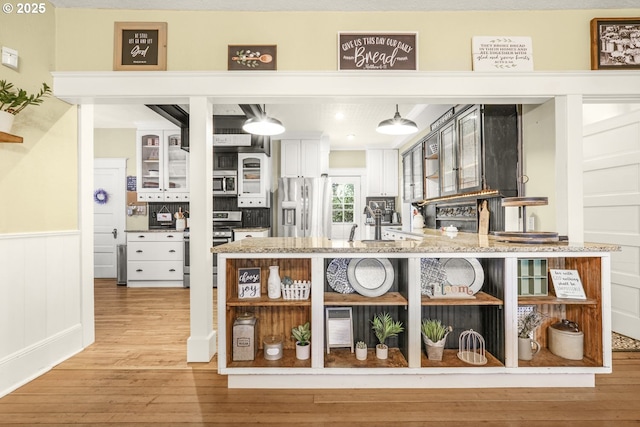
382,172
254,180
300,158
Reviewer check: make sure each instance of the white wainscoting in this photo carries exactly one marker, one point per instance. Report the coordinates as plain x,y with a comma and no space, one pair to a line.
40,304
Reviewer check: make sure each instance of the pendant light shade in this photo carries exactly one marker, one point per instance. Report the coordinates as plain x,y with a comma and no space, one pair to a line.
263,125
397,125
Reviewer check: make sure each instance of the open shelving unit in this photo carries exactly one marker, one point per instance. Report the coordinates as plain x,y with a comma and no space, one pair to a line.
492,313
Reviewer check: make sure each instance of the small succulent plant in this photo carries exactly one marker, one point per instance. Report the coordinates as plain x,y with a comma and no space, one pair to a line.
302,333
385,327
361,344
434,329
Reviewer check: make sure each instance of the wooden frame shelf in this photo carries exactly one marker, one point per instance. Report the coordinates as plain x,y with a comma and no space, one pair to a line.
265,301
390,298
481,298
547,359
288,360
450,359
552,300
7,137
343,358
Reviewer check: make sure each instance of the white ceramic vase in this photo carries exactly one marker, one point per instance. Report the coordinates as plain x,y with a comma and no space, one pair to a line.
361,353
6,121
526,349
382,351
273,283
303,352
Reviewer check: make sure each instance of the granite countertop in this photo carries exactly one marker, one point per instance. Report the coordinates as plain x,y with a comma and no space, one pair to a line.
433,241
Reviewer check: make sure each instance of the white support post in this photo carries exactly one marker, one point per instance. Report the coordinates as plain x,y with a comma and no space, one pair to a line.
569,159
201,345
85,220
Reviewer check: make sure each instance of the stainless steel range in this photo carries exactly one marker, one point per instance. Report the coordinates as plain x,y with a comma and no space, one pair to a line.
223,224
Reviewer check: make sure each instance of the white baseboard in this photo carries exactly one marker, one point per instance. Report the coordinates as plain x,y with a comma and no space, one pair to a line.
29,363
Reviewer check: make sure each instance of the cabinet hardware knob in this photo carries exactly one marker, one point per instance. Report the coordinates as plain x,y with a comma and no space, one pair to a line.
172,270
172,251
139,270
139,251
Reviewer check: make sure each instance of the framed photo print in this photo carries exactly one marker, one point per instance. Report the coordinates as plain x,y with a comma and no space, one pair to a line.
140,46
615,43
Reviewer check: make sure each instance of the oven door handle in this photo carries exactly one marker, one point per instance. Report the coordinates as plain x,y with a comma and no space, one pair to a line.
224,184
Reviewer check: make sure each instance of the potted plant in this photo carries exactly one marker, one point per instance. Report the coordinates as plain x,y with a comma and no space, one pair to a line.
384,327
302,335
434,335
526,325
361,350
14,100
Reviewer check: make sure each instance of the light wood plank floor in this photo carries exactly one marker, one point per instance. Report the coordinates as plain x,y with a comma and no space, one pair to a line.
136,374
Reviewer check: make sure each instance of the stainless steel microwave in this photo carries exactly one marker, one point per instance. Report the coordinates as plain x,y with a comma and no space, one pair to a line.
224,183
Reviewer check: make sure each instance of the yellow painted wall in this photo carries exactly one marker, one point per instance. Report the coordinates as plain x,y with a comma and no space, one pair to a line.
348,159
38,178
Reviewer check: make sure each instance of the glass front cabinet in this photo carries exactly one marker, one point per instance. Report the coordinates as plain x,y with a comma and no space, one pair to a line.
163,166
254,177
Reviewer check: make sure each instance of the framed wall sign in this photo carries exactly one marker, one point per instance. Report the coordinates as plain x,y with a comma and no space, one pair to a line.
249,283
252,57
615,43
504,53
567,284
377,51
140,46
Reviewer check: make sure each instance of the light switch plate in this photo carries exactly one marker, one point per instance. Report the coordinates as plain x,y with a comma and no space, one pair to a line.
10,57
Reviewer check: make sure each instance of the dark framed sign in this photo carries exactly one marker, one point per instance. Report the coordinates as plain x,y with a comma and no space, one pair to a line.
252,57
377,51
615,43
140,46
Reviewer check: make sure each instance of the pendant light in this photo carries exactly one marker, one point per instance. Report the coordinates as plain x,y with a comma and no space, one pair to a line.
397,125
263,125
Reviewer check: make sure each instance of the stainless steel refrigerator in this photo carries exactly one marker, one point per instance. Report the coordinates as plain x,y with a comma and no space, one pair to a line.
304,207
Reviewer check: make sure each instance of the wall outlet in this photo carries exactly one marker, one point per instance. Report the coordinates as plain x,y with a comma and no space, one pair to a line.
10,57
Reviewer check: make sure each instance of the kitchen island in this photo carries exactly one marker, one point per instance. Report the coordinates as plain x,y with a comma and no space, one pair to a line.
408,296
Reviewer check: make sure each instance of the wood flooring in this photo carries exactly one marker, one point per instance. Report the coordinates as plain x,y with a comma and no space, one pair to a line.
135,374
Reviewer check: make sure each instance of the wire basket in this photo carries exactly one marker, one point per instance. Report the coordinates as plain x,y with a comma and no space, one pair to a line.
298,290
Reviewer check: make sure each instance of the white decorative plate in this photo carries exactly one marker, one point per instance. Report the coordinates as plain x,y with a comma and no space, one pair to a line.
370,277
464,272
337,276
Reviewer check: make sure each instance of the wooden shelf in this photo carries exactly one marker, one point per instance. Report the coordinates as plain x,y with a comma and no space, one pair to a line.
390,298
547,359
552,300
7,137
343,358
288,360
265,301
481,298
450,359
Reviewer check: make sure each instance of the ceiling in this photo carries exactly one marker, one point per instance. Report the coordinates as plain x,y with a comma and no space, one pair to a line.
359,120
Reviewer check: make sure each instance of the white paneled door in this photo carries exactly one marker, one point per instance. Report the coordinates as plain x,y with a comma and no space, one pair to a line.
108,215
612,209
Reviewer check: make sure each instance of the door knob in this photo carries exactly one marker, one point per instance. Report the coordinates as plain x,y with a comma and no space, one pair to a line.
115,233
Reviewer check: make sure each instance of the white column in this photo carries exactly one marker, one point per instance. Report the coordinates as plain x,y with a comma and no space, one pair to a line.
85,220
569,186
201,345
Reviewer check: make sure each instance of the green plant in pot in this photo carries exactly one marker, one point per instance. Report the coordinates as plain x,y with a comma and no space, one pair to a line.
434,335
384,327
13,100
302,335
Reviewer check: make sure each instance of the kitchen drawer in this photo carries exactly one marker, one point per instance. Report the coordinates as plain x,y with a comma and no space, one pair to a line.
239,235
159,236
154,270
155,251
